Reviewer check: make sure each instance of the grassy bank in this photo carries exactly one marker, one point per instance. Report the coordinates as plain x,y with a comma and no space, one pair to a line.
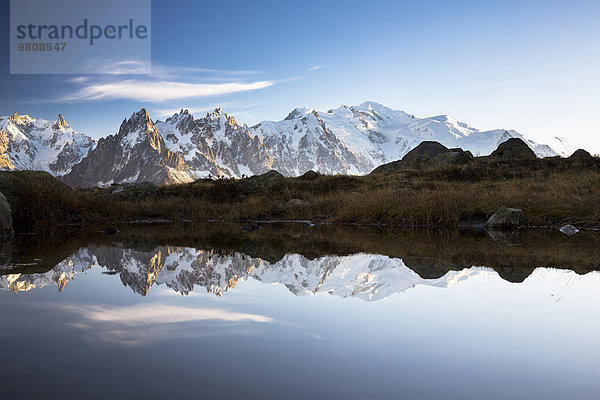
549,191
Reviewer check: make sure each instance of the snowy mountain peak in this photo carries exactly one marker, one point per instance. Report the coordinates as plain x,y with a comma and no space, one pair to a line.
182,116
61,124
139,121
297,113
372,106
15,118
141,116
220,116
216,114
20,119
379,112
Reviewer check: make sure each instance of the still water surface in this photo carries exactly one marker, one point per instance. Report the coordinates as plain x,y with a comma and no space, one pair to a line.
117,320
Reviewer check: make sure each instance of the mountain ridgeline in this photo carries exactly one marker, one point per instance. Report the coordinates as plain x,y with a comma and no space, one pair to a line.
37,144
348,140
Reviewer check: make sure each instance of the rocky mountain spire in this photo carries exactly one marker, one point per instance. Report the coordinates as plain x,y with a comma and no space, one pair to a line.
15,118
61,124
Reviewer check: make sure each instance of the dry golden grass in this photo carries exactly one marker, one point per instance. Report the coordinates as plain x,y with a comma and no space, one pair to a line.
434,198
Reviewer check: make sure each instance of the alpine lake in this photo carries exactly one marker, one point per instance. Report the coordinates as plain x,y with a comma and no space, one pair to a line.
300,311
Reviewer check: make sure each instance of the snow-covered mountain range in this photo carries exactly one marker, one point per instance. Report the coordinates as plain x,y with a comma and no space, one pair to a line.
355,140
182,269
347,140
51,146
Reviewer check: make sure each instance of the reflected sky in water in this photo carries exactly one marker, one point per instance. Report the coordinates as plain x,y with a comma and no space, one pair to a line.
185,322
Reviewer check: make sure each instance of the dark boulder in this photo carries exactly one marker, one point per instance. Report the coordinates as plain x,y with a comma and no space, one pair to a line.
295,203
133,191
433,154
581,155
514,149
504,218
428,155
267,180
310,175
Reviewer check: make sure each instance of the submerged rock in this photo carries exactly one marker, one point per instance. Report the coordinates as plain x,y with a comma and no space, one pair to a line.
6,224
568,230
505,218
109,231
250,227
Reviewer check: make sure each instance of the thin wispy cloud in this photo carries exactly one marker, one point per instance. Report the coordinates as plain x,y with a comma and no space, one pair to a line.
120,80
160,91
316,67
170,71
157,70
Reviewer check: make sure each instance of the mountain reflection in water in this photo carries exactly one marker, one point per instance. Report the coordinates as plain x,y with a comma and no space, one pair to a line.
366,276
306,261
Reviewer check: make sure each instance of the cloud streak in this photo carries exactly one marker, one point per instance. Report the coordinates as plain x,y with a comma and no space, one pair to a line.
316,67
156,70
160,91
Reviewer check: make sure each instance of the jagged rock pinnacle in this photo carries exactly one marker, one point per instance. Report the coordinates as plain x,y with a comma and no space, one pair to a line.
15,118
61,123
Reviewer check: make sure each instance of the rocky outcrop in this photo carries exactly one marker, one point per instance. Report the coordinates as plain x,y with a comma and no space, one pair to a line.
514,149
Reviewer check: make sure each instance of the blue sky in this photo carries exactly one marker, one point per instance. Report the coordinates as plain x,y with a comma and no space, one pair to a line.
531,66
